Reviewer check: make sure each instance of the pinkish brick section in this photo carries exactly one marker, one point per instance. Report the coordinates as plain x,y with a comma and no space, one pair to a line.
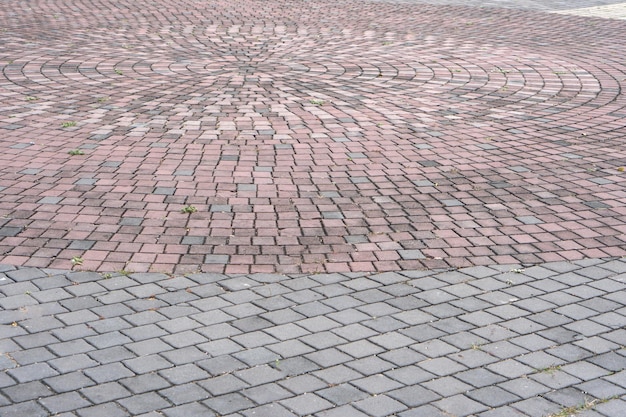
303,137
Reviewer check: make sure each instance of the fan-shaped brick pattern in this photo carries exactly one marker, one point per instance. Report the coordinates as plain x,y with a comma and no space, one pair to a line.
308,136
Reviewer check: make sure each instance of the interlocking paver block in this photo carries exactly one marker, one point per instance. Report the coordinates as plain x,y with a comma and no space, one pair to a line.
68,382
27,391
306,404
107,409
460,405
229,403
32,372
109,372
30,408
142,403
189,410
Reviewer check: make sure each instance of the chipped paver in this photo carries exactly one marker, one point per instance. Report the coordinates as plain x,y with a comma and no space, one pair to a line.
309,137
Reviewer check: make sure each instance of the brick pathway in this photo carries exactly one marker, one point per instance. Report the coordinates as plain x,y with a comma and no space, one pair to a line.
309,137
480,341
319,208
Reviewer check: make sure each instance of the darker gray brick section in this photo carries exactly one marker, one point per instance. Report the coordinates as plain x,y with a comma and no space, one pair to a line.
416,343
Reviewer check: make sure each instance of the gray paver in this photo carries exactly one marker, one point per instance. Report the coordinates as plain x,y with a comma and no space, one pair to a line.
332,361
105,393
189,410
229,403
142,403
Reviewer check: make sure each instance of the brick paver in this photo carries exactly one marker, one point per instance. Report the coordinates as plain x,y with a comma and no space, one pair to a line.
262,136
346,208
496,341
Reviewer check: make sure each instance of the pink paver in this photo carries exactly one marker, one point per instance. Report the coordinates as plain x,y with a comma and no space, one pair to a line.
309,136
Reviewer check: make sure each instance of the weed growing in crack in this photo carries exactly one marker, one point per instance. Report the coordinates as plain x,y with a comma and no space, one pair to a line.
188,209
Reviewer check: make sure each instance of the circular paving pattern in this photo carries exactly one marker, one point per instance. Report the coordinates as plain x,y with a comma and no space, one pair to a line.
294,137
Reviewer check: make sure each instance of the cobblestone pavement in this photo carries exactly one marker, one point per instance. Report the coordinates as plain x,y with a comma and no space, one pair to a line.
320,208
480,341
342,136
561,6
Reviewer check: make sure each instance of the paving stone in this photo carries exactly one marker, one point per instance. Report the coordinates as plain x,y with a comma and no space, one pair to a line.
147,363
414,396
268,410
460,405
290,348
597,344
110,355
441,366
360,349
380,405
107,409
434,348
221,364
600,388
342,394
29,408
447,386
524,387
229,403
303,383
31,356
268,393
612,407
107,325
32,372
148,346
536,406
567,397
64,402
144,383
143,403
345,410
296,366
105,393
68,382
492,396
35,340
610,361
189,410
422,333
479,377
502,412
337,374
184,393
27,391
306,403
474,358
584,371
510,368
184,339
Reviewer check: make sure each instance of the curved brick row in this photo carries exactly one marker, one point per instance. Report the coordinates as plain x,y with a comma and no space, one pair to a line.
309,136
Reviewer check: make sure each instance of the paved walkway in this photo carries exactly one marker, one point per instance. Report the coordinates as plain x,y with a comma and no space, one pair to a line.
481,341
329,208
309,137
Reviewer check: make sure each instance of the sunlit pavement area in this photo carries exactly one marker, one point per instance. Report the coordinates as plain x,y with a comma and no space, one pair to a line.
328,208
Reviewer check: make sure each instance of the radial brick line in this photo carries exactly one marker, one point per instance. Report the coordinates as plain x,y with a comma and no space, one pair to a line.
182,136
482,341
